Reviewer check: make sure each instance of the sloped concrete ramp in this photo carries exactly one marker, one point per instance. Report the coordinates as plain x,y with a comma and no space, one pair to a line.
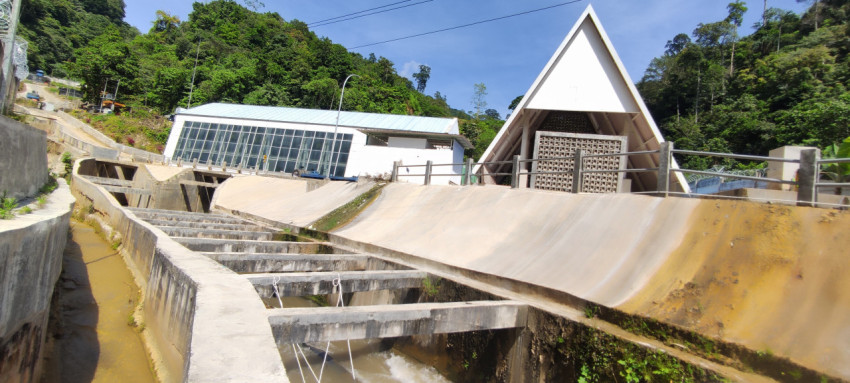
263,197
773,279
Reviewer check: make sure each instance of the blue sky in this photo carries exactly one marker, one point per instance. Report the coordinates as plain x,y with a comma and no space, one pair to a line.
505,55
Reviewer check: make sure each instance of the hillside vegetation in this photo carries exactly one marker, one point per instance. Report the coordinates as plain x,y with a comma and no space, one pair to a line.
784,84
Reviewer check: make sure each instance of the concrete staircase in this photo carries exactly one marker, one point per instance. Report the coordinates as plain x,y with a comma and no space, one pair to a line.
304,268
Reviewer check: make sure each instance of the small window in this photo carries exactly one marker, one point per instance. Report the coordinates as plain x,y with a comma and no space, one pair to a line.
439,144
376,141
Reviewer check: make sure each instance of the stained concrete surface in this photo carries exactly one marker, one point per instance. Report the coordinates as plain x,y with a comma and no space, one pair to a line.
771,278
92,341
261,196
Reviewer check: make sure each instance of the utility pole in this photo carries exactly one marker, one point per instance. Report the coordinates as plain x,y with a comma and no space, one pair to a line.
192,87
7,70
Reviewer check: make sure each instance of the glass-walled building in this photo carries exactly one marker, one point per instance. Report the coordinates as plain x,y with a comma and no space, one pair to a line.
278,139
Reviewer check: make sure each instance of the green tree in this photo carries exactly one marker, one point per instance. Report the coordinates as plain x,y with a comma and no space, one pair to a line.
107,58
422,77
479,100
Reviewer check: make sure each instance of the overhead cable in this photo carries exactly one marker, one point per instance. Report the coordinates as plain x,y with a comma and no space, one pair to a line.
357,13
467,25
368,14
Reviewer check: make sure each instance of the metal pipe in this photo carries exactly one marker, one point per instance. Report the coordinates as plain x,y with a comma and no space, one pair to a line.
735,156
336,126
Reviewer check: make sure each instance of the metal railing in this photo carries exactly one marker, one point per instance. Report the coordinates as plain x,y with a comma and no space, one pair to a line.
807,181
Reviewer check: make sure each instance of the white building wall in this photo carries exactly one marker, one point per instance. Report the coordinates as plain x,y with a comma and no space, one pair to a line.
363,160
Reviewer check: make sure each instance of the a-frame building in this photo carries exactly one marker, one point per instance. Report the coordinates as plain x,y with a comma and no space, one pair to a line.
583,91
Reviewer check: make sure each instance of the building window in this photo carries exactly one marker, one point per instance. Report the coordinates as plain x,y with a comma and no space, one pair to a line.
273,149
438,144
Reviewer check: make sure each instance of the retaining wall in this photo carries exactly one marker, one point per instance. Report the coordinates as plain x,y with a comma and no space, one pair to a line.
31,248
23,159
204,322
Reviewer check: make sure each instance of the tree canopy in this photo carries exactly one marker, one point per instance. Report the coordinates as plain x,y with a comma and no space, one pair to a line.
784,84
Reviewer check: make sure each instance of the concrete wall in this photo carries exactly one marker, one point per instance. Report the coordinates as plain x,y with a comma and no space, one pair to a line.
203,322
23,159
31,249
762,276
137,154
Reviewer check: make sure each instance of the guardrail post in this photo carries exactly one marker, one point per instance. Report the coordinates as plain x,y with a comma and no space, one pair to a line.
807,178
515,172
577,165
428,172
394,175
467,178
665,156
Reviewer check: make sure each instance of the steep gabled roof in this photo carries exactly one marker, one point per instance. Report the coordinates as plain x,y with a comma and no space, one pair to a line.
584,75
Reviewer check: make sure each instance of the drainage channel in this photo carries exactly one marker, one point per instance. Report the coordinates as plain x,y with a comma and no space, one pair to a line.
324,301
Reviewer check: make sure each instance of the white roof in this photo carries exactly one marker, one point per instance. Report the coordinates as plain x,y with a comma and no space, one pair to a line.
326,117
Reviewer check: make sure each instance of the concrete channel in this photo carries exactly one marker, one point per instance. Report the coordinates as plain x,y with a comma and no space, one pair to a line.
215,283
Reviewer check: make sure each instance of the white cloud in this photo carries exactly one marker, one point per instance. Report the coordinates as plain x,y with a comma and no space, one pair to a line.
409,68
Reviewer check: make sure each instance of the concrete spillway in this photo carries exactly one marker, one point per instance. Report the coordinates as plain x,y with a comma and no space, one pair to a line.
762,276
296,325
243,246
322,283
266,263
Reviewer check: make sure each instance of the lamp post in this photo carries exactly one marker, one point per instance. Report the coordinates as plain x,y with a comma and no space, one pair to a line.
336,127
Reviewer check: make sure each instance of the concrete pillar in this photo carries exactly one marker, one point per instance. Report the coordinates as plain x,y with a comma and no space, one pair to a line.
577,167
224,166
195,163
515,172
467,179
807,177
524,155
179,162
394,175
428,166
665,157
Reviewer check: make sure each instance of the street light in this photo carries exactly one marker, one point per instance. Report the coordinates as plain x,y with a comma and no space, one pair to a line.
336,127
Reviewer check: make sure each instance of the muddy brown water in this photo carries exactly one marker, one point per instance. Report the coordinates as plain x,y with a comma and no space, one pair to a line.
91,340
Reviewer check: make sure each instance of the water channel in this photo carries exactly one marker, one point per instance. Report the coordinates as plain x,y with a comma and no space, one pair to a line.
374,361
89,337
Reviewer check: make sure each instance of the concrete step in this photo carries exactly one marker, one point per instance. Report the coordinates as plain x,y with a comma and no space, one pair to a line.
280,263
184,216
188,232
321,283
109,181
208,225
208,245
297,325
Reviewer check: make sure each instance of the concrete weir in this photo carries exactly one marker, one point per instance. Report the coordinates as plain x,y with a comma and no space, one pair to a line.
322,283
243,246
266,263
296,325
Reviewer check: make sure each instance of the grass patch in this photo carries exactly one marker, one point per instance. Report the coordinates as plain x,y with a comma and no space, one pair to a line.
140,128
346,213
7,207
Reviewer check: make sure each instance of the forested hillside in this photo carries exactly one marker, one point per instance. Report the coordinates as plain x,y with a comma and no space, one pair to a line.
242,57
712,90
785,84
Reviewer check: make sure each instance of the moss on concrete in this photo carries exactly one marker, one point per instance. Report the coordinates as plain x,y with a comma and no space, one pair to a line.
346,213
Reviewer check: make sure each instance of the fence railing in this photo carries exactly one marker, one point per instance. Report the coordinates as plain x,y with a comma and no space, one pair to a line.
807,180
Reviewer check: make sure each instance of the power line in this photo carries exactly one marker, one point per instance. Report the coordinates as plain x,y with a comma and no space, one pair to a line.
467,25
368,14
359,12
